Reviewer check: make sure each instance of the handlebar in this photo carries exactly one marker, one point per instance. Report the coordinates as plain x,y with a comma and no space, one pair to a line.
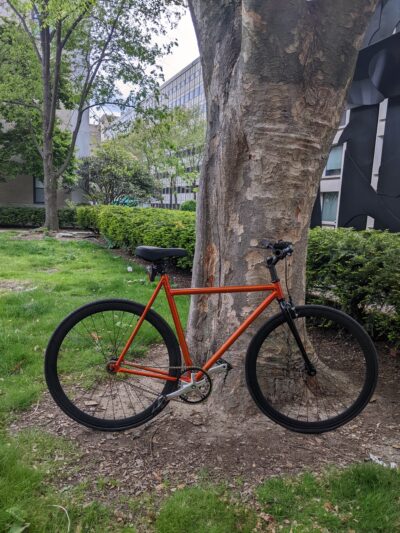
280,250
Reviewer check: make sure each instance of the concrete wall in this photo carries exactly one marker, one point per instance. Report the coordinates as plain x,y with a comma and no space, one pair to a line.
19,192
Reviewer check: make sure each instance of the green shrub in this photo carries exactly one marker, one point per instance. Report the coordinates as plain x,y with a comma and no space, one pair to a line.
67,217
87,217
128,227
358,271
189,205
21,216
33,217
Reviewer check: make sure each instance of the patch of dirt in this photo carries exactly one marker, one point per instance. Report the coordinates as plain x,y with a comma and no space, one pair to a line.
186,444
39,234
9,285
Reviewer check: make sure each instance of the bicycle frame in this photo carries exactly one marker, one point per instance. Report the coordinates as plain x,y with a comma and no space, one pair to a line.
276,293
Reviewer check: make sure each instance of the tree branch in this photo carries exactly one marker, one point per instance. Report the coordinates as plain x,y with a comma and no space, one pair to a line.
99,104
72,28
26,28
23,104
90,78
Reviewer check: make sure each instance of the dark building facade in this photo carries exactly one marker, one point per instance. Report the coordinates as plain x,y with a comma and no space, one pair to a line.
360,187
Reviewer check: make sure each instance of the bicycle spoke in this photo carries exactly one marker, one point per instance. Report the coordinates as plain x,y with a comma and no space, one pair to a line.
84,375
285,383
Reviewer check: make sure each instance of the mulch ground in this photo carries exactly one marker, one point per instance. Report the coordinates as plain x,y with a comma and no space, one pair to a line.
187,444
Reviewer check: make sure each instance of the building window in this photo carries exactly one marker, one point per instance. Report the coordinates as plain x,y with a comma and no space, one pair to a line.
329,206
38,191
334,164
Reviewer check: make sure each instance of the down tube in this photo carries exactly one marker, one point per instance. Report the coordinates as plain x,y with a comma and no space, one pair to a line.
249,320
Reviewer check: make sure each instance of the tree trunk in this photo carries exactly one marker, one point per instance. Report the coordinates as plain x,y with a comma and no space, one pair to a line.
48,114
170,192
275,76
175,195
50,188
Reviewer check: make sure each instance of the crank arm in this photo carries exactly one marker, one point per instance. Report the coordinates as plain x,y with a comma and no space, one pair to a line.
218,369
185,389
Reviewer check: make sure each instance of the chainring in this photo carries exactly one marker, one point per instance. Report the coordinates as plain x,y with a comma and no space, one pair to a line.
202,390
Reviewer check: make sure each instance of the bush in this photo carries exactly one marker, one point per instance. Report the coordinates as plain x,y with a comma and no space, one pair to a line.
358,271
87,217
22,216
67,217
128,227
33,217
189,205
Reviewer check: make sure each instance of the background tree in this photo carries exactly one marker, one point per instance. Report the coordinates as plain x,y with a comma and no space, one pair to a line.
170,143
275,78
19,154
113,175
80,49
188,133
146,142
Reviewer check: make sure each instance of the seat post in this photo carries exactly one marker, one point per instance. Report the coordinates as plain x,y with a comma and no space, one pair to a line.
156,269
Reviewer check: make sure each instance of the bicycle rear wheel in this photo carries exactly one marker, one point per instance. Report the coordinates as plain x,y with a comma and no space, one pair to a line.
346,366
77,358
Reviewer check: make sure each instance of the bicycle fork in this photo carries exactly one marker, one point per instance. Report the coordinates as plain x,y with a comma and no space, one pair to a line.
288,311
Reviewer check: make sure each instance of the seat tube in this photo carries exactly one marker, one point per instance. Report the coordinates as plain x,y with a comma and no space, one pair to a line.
177,321
139,323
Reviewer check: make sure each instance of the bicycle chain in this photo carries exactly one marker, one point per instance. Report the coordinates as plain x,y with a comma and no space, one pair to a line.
182,371
160,396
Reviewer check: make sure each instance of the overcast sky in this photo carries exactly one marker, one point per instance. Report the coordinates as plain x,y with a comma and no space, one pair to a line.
181,55
185,52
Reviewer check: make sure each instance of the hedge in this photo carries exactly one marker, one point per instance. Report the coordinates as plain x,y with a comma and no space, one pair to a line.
358,271
189,205
128,227
33,217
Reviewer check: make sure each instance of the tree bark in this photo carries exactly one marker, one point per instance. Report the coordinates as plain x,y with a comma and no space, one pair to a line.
276,76
48,114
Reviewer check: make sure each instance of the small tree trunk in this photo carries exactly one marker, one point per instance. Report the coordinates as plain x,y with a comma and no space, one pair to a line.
275,76
170,192
175,194
50,179
50,189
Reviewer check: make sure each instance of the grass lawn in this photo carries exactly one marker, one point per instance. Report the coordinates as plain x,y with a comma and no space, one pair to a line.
55,278
40,282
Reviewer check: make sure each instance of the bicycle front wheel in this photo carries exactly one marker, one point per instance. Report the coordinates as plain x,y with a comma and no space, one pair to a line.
346,366
79,354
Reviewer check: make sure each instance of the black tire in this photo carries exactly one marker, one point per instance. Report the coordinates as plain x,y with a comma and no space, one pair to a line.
76,365
345,360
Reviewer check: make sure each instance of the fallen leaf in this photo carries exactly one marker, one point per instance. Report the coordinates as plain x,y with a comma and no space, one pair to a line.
267,517
328,506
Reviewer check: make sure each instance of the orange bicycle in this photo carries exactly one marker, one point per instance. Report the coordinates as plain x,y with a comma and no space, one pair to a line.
115,364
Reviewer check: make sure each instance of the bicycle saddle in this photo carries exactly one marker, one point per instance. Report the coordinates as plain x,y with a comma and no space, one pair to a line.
154,253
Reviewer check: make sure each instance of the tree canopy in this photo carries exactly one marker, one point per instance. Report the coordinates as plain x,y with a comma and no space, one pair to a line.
169,142
73,54
19,154
113,175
